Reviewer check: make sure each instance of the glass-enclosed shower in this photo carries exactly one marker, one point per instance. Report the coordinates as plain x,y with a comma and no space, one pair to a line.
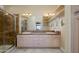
7,31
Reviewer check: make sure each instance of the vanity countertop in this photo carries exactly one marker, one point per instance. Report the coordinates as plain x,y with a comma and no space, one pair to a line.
40,33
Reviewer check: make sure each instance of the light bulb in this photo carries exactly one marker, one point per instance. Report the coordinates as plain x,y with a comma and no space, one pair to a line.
46,15
50,14
30,14
53,14
26,14
23,14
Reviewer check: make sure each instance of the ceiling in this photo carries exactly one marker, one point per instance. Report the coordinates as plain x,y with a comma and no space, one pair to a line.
33,9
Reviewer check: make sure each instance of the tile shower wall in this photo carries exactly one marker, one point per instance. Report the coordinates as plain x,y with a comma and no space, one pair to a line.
7,33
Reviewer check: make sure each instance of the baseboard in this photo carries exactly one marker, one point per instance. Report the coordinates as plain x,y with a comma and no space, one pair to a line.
39,47
62,50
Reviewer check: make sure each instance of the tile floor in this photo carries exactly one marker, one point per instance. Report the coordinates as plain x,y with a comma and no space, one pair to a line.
32,50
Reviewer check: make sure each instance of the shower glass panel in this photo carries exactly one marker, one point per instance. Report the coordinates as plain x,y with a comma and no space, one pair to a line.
7,31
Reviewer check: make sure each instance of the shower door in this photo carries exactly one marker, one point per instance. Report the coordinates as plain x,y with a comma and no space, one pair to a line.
7,31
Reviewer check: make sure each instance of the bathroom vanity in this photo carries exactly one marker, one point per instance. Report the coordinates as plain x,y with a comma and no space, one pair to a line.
38,39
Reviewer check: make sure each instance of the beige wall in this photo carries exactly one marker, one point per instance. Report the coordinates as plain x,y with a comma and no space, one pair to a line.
75,29
67,30
62,33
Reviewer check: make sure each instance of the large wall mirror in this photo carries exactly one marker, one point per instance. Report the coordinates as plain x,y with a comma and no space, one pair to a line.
38,26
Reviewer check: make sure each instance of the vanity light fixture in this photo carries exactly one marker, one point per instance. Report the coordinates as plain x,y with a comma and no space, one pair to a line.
46,15
53,14
49,14
27,14
23,14
30,14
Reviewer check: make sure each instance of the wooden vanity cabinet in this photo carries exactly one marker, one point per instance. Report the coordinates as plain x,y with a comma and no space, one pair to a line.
38,40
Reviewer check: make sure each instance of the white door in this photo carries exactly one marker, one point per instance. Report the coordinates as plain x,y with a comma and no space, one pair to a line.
78,35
